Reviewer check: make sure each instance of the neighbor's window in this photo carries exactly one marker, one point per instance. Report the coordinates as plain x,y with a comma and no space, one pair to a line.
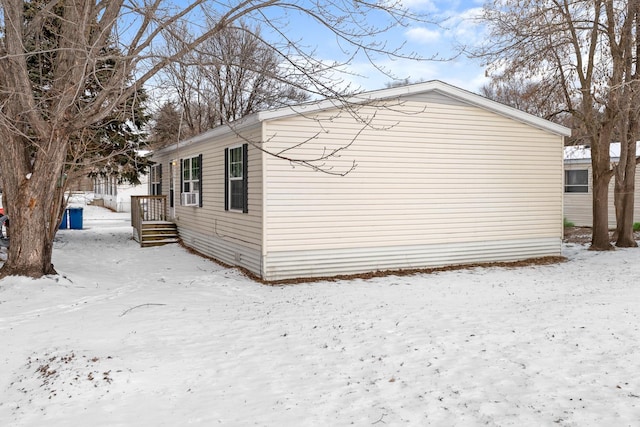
106,185
113,181
236,179
576,181
156,180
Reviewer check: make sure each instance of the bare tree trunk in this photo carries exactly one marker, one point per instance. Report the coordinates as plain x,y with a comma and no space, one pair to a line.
625,173
624,200
600,237
34,205
601,176
30,251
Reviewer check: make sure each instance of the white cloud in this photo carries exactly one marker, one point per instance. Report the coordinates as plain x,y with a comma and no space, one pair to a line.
467,26
423,35
461,72
425,5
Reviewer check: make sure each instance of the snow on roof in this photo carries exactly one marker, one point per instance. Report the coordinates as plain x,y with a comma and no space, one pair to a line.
583,152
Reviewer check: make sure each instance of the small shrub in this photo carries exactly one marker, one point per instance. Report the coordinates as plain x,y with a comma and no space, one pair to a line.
636,226
568,223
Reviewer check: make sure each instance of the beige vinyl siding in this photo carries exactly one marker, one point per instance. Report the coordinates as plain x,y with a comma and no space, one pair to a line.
229,236
427,177
578,206
320,263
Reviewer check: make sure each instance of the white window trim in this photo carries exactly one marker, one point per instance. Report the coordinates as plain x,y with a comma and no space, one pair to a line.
235,179
191,197
156,180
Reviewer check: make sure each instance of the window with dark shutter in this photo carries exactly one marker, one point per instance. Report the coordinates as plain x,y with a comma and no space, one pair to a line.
236,171
190,181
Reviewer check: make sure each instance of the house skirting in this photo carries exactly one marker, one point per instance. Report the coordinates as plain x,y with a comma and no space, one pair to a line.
326,263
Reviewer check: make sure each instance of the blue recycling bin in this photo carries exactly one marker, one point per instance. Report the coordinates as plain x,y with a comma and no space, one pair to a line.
65,221
75,218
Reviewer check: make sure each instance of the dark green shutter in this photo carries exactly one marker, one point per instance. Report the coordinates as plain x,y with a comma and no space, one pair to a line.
172,184
160,179
200,180
245,180
181,181
226,179
150,186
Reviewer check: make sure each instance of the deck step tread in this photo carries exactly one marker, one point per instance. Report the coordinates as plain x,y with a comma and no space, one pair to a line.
158,233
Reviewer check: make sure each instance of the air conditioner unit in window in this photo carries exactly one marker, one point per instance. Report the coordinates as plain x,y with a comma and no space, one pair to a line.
190,199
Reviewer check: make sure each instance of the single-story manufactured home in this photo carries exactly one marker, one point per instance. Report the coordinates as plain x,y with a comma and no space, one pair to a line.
578,189
411,177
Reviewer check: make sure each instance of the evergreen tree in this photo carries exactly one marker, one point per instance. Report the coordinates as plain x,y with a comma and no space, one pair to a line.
110,147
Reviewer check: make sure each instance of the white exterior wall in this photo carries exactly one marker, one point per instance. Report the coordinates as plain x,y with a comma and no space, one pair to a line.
578,206
231,237
435,184
121,200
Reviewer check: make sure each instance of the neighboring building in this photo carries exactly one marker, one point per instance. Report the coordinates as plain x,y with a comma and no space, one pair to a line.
82,184
578,190
117,197
442,176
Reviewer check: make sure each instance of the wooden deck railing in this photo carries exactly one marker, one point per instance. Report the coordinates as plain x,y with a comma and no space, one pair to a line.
147,208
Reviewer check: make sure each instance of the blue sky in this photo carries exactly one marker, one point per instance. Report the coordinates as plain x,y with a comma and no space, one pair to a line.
459,27
456,27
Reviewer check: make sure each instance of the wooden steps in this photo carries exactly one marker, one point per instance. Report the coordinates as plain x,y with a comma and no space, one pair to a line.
158,233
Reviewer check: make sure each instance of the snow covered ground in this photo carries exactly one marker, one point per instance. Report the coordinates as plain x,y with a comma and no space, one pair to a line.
160,337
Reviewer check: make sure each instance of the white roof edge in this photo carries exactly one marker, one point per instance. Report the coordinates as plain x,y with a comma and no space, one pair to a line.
430,86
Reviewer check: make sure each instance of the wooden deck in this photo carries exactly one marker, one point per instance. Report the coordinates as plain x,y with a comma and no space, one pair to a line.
149,221
157,233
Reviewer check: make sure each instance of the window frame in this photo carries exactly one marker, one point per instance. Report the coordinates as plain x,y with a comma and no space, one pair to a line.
155,179
570,187
191,179
236,174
